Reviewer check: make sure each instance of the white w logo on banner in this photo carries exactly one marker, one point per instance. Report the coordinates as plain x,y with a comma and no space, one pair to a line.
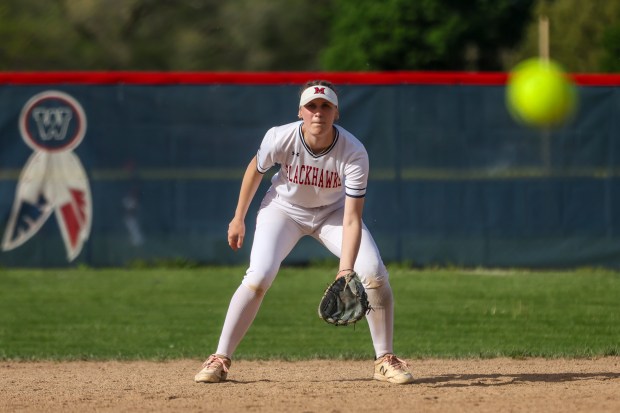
52,123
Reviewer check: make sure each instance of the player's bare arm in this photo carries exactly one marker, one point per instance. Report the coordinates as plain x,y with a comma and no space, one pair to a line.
249,185
351,233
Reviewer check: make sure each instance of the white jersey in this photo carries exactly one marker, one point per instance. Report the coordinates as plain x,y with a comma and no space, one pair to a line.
313,180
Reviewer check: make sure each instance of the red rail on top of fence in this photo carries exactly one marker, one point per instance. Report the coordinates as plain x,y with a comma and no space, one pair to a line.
277,78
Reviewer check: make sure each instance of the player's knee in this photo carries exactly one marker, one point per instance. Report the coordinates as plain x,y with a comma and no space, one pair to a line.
258,290
372,274
381,297
259,280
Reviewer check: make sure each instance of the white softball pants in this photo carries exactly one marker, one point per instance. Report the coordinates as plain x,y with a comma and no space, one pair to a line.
279,226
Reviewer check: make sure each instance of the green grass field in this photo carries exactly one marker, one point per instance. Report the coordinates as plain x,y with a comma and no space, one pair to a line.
176,313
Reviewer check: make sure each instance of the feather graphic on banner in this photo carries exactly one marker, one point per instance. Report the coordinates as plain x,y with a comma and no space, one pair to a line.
51,183
53,180
72,201
31,207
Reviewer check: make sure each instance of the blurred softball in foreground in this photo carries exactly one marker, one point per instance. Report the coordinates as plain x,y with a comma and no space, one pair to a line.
540,94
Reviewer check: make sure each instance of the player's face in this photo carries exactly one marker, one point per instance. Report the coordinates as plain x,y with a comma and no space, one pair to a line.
319,116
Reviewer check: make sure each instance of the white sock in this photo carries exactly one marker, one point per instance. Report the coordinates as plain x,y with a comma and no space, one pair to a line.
242,310
381,318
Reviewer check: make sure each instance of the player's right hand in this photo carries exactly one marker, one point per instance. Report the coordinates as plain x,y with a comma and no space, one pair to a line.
236,233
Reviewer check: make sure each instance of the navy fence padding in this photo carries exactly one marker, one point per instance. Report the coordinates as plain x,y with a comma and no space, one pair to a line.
454,180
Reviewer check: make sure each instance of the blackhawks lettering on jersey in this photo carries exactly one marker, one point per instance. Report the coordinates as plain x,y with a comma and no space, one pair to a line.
312,175
313,180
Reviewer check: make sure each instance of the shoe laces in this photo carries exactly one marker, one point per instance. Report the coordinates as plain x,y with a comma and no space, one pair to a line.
395,362
214,359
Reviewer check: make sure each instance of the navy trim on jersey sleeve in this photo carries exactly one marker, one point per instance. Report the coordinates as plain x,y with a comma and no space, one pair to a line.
355,192
355,189
259,168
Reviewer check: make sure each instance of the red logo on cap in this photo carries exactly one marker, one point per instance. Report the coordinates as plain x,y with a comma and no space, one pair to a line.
319,90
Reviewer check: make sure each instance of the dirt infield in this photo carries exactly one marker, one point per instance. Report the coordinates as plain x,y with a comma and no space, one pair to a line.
494,385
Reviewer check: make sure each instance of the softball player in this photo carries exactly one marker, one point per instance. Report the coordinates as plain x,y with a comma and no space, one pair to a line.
318,191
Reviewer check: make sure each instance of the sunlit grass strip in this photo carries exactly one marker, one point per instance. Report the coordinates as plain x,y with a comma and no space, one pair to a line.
177,313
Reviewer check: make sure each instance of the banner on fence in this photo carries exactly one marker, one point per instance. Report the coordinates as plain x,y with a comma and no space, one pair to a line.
106,169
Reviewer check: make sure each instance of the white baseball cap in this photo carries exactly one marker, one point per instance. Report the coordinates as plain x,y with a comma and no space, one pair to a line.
318,92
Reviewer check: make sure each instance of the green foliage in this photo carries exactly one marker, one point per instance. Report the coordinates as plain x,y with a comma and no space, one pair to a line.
32,35
610,61
437,35
581,34
273,34
161,34
304,35
175,313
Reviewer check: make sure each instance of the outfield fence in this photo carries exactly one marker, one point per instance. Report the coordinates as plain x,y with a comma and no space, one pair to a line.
107,169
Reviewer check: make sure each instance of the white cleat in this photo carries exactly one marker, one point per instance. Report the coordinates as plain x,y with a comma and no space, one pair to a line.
392,369
214,370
